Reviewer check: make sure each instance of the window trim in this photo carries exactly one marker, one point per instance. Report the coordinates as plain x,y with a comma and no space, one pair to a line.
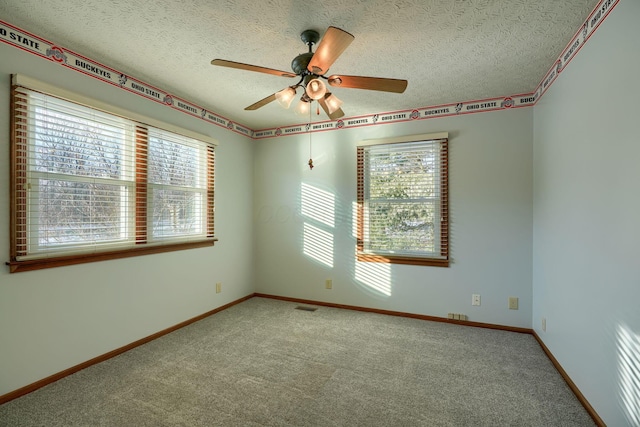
361,255
142,244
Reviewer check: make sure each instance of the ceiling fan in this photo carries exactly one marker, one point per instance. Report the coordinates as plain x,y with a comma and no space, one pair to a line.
311,68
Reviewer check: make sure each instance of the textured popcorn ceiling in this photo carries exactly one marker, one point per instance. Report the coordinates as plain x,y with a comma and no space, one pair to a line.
448,50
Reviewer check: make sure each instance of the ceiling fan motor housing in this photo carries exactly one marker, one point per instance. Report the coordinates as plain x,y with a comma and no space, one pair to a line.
300,62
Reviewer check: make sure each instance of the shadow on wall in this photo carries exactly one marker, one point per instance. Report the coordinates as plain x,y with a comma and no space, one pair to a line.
318,211
628,350
374,276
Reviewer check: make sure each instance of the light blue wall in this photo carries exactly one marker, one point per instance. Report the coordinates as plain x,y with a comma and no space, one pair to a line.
491,220
53,319
544,206
586,258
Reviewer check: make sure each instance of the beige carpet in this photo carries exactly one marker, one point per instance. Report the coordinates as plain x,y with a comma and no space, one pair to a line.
265,363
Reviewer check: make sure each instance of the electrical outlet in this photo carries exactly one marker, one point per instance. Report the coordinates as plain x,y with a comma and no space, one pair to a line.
218,287
475,299
544,324
328,284
513,303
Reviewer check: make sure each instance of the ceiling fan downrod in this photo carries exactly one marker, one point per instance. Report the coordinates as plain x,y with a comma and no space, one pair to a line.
310,37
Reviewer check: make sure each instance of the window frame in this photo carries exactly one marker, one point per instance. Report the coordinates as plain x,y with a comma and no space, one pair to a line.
141,241
362,187
200,188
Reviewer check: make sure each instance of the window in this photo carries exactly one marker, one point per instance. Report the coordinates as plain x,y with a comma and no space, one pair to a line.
402,200
90,185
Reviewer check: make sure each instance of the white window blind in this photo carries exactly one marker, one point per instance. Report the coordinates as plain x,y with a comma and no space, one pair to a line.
87,181
177,186
402,197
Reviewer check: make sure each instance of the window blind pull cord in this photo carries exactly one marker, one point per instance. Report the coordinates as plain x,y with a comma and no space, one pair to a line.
309,130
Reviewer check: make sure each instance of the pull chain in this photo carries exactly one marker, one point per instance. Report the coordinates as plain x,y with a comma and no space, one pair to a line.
309,130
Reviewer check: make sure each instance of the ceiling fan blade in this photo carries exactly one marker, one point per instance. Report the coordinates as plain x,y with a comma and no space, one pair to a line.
248,67
370,83
335,115
333,43
262,102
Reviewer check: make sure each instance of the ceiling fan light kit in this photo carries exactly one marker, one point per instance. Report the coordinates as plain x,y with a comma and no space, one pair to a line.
316,89
333,102
310,67
285,96
303,107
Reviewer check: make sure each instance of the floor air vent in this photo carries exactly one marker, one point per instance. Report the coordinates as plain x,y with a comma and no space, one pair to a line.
306,308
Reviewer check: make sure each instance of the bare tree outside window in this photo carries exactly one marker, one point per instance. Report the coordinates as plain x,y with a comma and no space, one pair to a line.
88,184
177,187
77,168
